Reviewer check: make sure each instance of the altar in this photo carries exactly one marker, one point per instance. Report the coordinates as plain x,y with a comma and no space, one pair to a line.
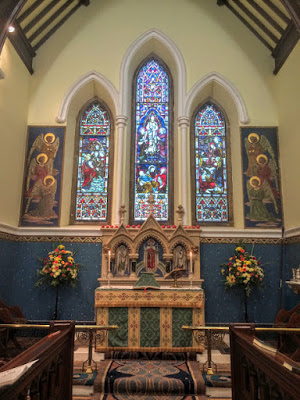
149,320
150,316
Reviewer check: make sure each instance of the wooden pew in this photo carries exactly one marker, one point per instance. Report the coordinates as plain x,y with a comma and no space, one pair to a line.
259,374
50,378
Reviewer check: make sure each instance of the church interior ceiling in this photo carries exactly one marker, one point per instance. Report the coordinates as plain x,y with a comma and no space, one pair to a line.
275,23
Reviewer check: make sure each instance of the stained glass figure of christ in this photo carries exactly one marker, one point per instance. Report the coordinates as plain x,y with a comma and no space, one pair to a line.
152,141
210,162
92,174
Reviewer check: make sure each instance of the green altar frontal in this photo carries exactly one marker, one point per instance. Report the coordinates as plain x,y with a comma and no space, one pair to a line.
149,320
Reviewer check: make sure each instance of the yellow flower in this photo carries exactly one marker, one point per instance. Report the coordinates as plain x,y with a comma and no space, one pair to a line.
238,249
61,247
223,271
70,259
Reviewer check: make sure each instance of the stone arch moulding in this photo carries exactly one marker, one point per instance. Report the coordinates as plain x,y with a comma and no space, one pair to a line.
226,84
83,80
136,46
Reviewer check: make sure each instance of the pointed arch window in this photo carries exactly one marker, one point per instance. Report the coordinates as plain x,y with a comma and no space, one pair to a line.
211,160
152,138
94,158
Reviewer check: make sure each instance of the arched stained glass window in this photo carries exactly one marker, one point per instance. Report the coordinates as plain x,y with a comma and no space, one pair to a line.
93,164
211,165
152,141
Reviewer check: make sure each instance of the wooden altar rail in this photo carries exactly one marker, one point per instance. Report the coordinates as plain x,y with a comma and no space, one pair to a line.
257,374
90,329
208,331
50,377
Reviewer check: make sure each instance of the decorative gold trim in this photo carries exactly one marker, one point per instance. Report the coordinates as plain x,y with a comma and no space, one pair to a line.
227,240
97,239
292,240
50,239
102,318
165,327
134,323
137,298
198,318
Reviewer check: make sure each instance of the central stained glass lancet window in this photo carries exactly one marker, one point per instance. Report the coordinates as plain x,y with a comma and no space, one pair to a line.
210,162
152,141
92,174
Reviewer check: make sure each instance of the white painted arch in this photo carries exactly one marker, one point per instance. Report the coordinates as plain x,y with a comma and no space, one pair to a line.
83,80
227,85
129,63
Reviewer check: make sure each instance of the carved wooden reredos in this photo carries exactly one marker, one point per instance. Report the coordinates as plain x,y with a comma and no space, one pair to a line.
151,247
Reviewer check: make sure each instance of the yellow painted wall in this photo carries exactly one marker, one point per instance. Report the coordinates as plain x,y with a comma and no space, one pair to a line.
97,37
287,89
14,95
210,38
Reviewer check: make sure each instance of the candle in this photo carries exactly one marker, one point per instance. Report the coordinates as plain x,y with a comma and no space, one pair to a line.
191,262
108,267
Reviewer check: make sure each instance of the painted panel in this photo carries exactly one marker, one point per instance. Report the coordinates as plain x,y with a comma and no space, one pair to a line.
42,176
261,178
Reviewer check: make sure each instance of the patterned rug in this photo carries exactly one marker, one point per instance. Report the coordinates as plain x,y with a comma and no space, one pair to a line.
80,378
139,355
222,380
149,397
149,377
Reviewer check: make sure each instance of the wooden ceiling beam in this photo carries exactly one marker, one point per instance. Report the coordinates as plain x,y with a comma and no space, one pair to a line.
57,26
266,16
256,20
293,7
286,44
9,10
41,15
277,11
22,46
50,20
250,27
30,10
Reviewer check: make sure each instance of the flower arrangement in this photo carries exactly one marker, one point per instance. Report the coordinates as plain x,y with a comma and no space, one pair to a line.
243,270
58,268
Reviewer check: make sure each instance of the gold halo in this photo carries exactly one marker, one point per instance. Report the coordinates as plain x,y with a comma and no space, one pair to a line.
42,155
49,177
253,135
255,178
262,156
51,135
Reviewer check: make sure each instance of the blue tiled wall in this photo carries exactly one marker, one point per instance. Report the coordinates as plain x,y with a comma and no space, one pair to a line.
18,269
19,262
226,305
292,260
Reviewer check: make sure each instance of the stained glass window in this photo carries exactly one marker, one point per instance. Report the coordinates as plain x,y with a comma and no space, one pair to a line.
93,162
152,108
210,163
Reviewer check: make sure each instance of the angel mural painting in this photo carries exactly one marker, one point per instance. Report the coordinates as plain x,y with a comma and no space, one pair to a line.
42,177
261,178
